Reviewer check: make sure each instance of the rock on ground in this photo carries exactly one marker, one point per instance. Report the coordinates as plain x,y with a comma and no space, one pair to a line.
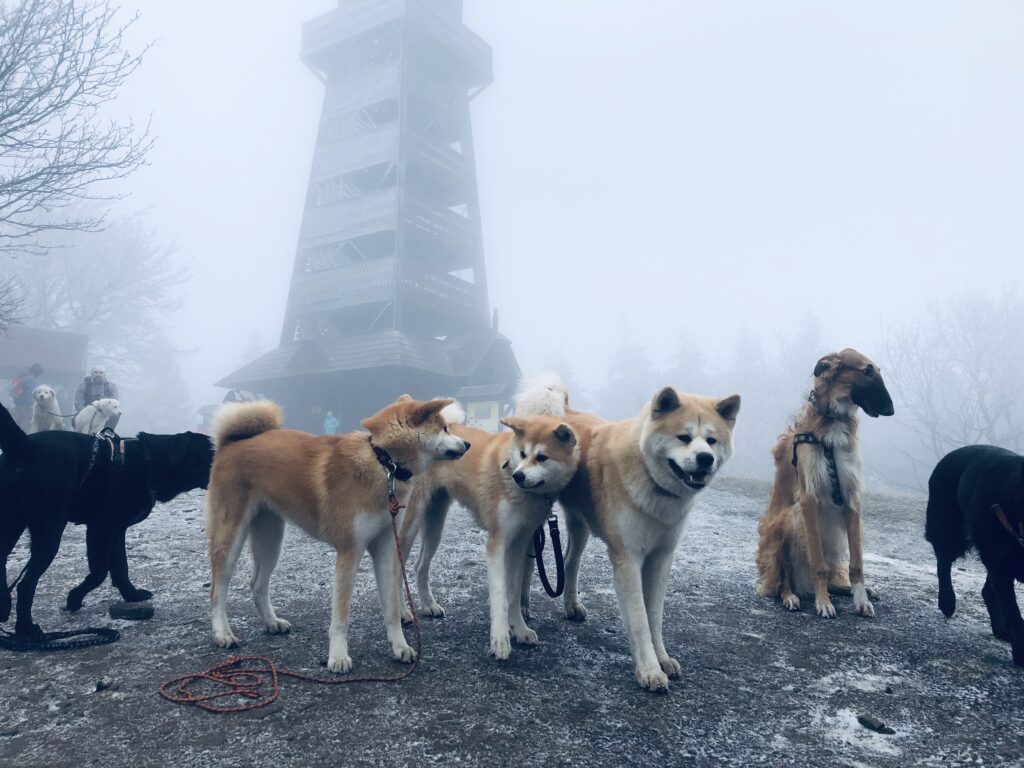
760,686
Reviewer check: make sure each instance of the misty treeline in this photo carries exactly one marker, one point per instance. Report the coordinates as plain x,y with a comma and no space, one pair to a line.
956,375
67,263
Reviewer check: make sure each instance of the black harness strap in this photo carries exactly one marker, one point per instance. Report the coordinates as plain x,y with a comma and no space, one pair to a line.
389,464
810,438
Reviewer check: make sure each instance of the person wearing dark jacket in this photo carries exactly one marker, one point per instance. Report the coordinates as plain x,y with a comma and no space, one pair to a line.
95,387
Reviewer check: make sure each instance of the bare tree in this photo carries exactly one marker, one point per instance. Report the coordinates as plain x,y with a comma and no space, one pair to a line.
61,61
117,287
958,375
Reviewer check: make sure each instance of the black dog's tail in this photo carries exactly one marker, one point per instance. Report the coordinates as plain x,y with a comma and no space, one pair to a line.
13,440
945,525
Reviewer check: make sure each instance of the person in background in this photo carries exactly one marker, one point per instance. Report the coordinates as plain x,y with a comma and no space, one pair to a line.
96,387
22,387
331,424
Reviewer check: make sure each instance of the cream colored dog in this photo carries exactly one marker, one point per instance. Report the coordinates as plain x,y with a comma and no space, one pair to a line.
635,486
95,416
46,410
334,487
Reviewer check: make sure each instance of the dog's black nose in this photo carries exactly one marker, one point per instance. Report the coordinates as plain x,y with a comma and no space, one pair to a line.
705,459
467,444
519,477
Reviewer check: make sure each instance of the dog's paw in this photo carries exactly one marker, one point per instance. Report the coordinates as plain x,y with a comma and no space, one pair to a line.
225,639
73,604
825,609
861,604
575,612
403,652
432,610
27,628
501,648
947,602
278,627
406,616
136,595
653,679
342,663
671,668
529,637
791,603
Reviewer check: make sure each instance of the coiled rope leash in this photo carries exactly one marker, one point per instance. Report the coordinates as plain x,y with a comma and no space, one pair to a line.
235,677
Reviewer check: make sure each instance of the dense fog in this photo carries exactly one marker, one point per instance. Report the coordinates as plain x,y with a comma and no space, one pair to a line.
708,195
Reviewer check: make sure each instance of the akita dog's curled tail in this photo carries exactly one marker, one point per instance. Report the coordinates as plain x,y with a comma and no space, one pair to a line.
636,483
334,487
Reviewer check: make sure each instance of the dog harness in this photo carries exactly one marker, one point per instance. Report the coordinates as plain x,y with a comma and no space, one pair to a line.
830,462
1018,534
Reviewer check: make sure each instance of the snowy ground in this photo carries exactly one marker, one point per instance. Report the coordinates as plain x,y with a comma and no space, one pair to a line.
760,686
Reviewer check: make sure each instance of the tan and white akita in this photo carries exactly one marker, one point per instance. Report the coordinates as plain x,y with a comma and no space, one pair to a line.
334,487
634,488
508,481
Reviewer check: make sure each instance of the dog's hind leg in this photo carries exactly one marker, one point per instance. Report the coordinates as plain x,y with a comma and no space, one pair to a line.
947,597
525,584
10,532
119,573
338,659
995,610
578,533
266,531
43,549
1007,600
99,543
227,536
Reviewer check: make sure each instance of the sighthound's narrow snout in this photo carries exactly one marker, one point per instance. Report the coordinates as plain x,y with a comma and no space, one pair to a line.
873,399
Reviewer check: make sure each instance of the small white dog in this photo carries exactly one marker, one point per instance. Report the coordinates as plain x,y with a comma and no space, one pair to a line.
46,410
97,415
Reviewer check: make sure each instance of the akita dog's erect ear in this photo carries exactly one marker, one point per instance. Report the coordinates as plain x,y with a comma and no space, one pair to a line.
516,425
666,401
728,408
565,435
424,411
404,398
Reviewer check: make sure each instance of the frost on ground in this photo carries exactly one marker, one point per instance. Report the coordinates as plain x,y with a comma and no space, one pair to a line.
760,686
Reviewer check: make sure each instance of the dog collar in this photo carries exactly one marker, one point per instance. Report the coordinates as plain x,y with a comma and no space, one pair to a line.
390,465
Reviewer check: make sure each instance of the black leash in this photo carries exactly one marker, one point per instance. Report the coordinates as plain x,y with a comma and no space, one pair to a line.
830,462
58,641
538,549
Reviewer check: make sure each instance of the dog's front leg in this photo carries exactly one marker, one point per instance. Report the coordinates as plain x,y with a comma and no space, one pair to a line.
119,572
338,659
815,555
629,590
656,571
390,590
501,646
855,538
515,565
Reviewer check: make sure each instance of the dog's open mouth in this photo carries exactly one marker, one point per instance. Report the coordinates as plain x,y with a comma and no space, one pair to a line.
453,454
695,480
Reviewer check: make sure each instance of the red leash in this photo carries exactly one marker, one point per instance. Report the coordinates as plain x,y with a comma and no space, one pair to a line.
234,678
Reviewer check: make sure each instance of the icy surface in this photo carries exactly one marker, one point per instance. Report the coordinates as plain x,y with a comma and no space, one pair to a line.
760,686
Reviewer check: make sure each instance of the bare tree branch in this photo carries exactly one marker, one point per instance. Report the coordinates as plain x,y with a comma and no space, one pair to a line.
61,61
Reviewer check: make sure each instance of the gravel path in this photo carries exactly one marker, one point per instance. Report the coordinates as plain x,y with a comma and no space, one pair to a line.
760,686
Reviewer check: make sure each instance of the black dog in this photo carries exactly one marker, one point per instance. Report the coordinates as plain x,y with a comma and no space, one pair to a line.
976,500
52,478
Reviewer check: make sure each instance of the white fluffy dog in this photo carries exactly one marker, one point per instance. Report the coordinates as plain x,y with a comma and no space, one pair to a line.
95,417
46,410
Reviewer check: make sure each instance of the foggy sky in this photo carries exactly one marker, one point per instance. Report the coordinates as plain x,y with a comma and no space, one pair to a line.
687,170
